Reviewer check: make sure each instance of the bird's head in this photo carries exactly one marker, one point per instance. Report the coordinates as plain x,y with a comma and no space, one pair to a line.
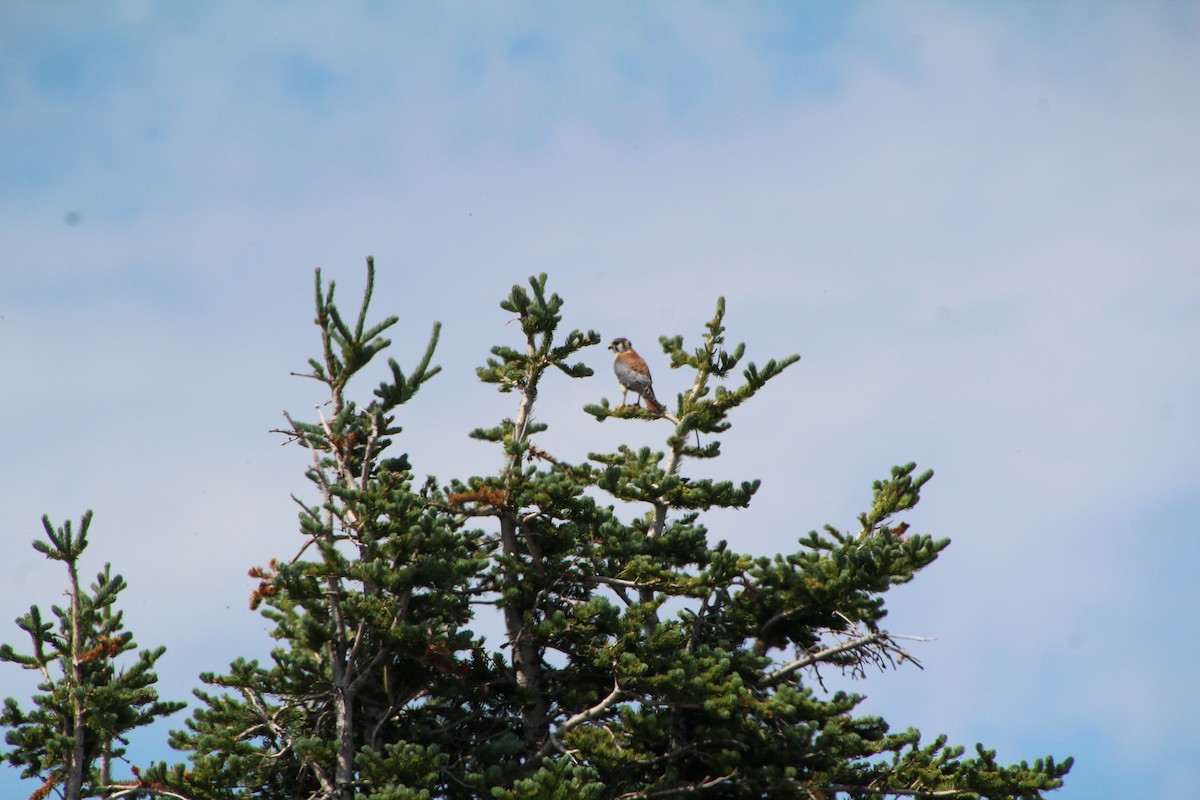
620,345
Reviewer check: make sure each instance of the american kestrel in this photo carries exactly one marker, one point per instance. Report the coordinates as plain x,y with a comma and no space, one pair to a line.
633,374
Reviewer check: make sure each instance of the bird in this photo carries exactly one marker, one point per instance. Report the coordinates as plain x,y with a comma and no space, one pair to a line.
633,374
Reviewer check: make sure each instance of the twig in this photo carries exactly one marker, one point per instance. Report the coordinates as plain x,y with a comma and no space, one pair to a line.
126,790
287,739
619,582
842,787
823,655
690,789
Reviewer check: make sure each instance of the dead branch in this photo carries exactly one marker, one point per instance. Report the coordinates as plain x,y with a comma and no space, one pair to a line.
778,675
554,742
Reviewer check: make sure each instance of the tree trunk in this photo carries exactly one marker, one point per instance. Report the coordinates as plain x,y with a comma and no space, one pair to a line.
344,776
526,662
77,765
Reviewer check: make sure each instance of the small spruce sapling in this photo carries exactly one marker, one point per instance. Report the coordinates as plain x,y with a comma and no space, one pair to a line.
89,701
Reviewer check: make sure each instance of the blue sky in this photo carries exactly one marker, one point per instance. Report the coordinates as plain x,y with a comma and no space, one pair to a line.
978,223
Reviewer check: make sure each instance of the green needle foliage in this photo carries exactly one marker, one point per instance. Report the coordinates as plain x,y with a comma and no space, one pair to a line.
628,653
86,704
375,672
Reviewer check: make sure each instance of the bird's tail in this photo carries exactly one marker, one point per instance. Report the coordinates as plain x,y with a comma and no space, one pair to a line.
652,401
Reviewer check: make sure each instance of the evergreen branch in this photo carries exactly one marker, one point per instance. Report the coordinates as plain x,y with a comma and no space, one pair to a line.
368,453
367,292
288,740
311,539
347,474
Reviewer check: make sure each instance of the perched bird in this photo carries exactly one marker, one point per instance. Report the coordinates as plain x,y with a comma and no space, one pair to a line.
633,374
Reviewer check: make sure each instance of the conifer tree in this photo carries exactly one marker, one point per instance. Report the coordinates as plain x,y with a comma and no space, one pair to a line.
371,675
640,656
86,705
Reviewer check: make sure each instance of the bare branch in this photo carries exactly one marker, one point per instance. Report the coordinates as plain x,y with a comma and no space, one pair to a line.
690,789
883,792
593,580
588,715
137,790
822,655
367,670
